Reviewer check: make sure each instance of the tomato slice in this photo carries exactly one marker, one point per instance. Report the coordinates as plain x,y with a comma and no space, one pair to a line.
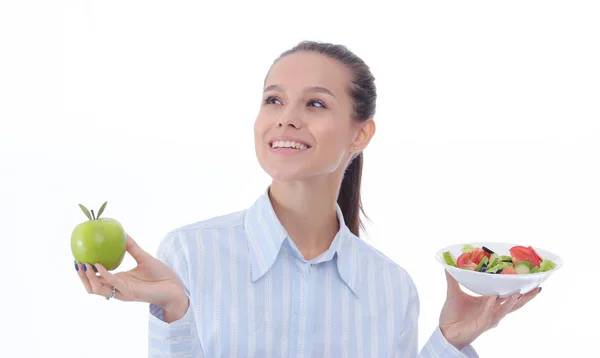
463,259
536,254
487,254
508,271
471,264
477,254
522,253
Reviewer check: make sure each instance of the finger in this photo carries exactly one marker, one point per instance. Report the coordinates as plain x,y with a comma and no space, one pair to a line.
103,281
452,287
501,300
488,309
83,277
135,250
526,298
114,280
118,294
502,310
97,287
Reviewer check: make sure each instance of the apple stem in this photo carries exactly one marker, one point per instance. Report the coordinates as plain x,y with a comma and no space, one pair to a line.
93,216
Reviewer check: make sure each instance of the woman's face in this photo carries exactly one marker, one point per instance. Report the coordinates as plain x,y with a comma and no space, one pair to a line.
304,128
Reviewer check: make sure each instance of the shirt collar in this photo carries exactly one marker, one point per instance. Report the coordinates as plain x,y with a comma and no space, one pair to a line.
266,235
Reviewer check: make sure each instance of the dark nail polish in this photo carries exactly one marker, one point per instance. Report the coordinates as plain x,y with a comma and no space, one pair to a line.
95,269
84,267
540,290
521,296
76,266
497,297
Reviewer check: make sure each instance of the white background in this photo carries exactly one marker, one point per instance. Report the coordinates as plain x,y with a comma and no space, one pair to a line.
488,130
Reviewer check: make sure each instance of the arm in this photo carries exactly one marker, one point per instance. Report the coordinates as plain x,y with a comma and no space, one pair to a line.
172,330
436,346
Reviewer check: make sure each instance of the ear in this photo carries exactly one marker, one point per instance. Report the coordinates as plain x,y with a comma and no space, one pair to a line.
366,131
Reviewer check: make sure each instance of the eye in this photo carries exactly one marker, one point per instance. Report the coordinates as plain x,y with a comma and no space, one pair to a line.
317,102
271,99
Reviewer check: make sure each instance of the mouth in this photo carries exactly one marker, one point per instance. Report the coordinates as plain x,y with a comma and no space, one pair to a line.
288,145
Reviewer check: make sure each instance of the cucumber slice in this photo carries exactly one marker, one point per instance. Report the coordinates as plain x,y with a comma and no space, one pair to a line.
449,259
536,270
523,267
547,265
483,261
467,248
506,258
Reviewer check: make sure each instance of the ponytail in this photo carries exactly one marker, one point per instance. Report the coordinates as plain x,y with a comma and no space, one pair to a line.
349,196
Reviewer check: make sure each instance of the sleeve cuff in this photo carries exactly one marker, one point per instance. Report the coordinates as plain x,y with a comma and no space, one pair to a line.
439,346
181,330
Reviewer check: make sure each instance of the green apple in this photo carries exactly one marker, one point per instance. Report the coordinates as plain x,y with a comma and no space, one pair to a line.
101,241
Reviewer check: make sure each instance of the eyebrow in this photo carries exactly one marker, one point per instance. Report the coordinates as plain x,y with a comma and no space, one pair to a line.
316,89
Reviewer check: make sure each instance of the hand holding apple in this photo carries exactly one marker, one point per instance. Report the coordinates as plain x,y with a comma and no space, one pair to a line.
101,244
151,281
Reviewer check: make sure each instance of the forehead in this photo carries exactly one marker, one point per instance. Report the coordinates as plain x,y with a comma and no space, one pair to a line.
304,69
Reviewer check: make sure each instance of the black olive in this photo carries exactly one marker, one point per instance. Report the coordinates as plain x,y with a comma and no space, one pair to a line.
487,250
483,268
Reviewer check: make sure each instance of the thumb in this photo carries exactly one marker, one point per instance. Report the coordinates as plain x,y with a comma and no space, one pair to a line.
135,250
453,286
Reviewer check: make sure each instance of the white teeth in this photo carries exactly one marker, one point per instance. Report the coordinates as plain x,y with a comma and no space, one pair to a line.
288,144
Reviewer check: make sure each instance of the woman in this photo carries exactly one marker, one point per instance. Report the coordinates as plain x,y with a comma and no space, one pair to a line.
289,277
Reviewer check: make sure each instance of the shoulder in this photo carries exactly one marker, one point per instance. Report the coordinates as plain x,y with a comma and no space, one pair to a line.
373,261
225,221
180,238
385,281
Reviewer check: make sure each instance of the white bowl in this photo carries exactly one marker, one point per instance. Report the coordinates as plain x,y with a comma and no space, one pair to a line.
486,284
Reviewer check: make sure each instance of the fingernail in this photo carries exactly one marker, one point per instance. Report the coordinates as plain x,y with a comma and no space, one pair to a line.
84,267
521,296
497,297
540,290
95,269
76,266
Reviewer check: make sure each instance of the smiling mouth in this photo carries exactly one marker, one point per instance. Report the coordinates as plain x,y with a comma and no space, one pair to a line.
283,144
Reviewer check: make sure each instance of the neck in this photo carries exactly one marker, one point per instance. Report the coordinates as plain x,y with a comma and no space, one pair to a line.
307,210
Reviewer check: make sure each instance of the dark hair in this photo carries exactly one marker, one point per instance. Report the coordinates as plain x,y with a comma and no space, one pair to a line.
364,95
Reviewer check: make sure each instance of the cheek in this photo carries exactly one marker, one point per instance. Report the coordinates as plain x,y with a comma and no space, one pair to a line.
260,127
256,128
331,136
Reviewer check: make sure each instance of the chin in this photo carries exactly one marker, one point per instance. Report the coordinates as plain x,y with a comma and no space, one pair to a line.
285,174
290,170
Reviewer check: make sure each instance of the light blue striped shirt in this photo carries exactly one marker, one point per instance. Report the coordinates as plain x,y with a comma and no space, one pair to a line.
252,294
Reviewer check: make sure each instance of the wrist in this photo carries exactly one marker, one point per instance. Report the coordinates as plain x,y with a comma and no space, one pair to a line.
453,338
175,308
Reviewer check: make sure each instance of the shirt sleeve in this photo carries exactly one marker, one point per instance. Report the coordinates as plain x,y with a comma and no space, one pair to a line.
178,338
437,346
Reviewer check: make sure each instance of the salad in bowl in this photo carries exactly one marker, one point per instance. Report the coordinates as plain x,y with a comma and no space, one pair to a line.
503,269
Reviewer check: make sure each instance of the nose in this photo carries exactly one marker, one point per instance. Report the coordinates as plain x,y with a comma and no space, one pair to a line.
290,118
